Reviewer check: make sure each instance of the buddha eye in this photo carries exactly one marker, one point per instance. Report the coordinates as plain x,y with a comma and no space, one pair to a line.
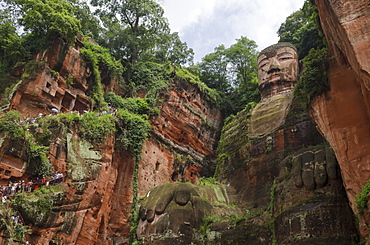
263,65
285,58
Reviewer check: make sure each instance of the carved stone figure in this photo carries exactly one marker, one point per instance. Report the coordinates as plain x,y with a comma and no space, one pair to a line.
275,169
278,69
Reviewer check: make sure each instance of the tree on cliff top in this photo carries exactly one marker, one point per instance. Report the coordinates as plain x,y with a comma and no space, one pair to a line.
28,26
11,49
137,32
134,26
302,29
49,19
233,72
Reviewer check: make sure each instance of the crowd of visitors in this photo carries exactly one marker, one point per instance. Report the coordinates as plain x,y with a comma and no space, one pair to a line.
15,187
28,186
31,120
12,188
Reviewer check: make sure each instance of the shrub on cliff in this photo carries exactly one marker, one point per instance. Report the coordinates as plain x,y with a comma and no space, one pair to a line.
362,198
134,105
149,77
132,131
10,123
99,59
35,208
313,80
211,94
94,127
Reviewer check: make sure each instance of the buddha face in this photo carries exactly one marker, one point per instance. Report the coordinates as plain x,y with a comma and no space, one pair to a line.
279,65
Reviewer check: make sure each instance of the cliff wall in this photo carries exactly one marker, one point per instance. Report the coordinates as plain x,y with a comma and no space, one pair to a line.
343,114
286,189
93,205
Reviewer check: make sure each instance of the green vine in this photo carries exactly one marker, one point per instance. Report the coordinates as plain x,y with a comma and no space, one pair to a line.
132,131
361,199
99,57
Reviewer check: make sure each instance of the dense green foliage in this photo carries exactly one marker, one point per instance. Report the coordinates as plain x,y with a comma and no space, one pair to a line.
233,72
14,232
150,78
99,57
302,29
10,123
38,162
138,31
94,127
11,49
28,26
138,23
104,58
36,207
48,18
14,129
362,198
133,105
90,24
132,131
313,81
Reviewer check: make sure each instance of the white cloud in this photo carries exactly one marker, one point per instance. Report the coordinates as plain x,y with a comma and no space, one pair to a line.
205,24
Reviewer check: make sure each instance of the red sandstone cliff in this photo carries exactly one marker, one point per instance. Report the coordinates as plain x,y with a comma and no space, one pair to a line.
96,202
343,114
97,198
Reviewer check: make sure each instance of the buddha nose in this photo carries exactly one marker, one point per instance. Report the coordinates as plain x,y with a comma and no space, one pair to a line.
274,66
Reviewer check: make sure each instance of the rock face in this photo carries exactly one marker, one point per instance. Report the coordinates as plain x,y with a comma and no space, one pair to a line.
287,190
94,205
280,182
58,79
343,114
289,174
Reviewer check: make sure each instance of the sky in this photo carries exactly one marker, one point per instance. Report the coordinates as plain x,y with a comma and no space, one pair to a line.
206,24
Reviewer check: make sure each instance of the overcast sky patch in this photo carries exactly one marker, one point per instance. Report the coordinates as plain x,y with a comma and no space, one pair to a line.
206,24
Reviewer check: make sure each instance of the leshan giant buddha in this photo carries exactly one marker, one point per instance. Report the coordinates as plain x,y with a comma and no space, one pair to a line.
276,171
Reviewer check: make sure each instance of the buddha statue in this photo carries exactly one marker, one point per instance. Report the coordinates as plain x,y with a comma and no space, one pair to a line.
277,175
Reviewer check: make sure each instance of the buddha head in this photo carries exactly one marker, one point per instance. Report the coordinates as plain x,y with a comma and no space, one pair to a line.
278,69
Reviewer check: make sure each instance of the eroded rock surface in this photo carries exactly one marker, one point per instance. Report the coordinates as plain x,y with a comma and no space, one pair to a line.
280,181
279,171
343,114
94,205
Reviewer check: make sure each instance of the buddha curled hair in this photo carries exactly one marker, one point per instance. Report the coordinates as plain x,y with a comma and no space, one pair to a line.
276,46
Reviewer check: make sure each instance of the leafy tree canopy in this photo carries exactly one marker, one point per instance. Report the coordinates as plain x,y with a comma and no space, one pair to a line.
302,29
11,49
27,26
49,18
140,25
233,72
